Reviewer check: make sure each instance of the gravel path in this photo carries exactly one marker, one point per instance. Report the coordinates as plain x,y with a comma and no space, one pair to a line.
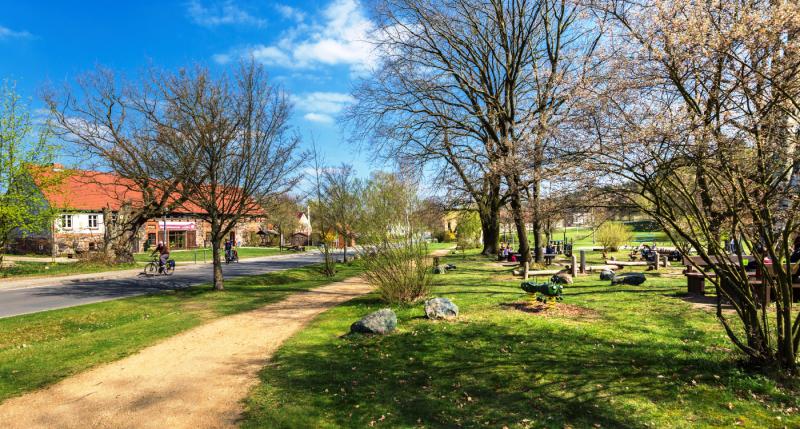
196,379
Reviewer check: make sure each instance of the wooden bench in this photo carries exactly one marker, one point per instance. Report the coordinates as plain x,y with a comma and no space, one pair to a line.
696,280
768,292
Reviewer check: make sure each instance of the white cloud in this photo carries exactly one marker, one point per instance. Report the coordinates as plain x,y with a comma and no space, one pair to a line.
318,117
7,33
289,12
339,37
325,102
321,107
221,58
270,55
226,13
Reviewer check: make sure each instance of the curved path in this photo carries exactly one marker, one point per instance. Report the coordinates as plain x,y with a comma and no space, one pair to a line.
196,379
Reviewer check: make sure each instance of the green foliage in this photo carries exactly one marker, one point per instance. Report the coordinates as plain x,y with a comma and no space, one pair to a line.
612,235
400,272
23,152
468,230
387,205
445,237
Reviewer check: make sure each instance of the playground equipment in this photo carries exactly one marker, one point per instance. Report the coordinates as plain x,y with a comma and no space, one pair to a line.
548,292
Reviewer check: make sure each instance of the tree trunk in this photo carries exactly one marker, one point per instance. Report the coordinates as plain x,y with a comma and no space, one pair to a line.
519,223
121,247
344,253
490,226
537,240
219,283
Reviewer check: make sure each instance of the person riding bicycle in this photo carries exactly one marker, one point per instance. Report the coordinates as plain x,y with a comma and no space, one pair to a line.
163,252
228,250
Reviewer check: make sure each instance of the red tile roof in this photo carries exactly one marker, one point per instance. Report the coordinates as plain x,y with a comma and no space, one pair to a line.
84,190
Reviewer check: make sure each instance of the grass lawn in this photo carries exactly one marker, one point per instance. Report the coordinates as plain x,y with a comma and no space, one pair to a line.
42,269
42,348
583,237
634,356
204,254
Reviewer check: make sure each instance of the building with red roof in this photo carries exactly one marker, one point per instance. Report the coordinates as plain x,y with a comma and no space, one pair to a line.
83,197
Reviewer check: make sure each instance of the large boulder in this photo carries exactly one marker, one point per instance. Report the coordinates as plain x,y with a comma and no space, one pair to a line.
380,322
439,269
634,279
607,274
440,308
561,279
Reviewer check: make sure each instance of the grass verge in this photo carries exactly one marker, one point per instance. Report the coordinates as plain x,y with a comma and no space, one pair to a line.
43,348
55,269
204,254
630,356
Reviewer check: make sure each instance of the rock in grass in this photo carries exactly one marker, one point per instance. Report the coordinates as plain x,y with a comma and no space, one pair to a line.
607,275
439,269
381,322
634,279
561,279
440,308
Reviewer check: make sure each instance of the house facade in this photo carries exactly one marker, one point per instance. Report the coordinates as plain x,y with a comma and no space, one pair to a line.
79,228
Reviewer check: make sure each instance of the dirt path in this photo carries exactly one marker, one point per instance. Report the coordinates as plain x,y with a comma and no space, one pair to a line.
193,380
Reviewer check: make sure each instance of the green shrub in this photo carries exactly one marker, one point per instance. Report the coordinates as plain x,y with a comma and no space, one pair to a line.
400,272
612,235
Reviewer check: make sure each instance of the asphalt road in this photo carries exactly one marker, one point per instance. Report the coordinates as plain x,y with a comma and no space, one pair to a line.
59,294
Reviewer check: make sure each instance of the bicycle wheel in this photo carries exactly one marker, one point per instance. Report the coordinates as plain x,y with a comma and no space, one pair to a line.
169,268
151,269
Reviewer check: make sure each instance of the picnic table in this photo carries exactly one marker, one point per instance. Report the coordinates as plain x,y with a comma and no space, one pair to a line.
696,278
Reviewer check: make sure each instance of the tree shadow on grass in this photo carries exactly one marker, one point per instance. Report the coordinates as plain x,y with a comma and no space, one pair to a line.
478,374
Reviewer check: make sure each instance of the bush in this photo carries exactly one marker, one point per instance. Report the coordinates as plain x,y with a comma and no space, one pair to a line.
445,236
612,235
400,272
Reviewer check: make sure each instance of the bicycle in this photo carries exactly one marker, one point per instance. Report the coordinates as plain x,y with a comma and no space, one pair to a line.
231,256
152,267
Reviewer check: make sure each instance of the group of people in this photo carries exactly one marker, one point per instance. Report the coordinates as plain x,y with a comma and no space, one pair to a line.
506,253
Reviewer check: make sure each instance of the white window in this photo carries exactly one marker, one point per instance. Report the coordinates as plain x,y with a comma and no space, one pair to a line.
92,221
66,221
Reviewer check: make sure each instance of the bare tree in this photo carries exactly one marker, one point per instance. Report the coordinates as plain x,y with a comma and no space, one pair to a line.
478,86
320,222
698,124
122,126
237,126
342,202
282,213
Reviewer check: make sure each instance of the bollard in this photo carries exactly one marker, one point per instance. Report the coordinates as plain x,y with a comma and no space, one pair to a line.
583,262
525,273
574,266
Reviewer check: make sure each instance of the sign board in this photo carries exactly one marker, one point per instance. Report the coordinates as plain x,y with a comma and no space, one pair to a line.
178,226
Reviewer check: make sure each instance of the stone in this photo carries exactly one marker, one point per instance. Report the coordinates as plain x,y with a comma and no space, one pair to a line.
607,274
439,269
561,279
634,279
381,322
440,308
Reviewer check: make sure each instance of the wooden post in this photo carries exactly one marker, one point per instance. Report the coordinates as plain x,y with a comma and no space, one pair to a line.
525,273
574,266
583,262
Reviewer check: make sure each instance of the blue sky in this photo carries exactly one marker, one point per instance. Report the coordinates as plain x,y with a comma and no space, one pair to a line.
313,49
